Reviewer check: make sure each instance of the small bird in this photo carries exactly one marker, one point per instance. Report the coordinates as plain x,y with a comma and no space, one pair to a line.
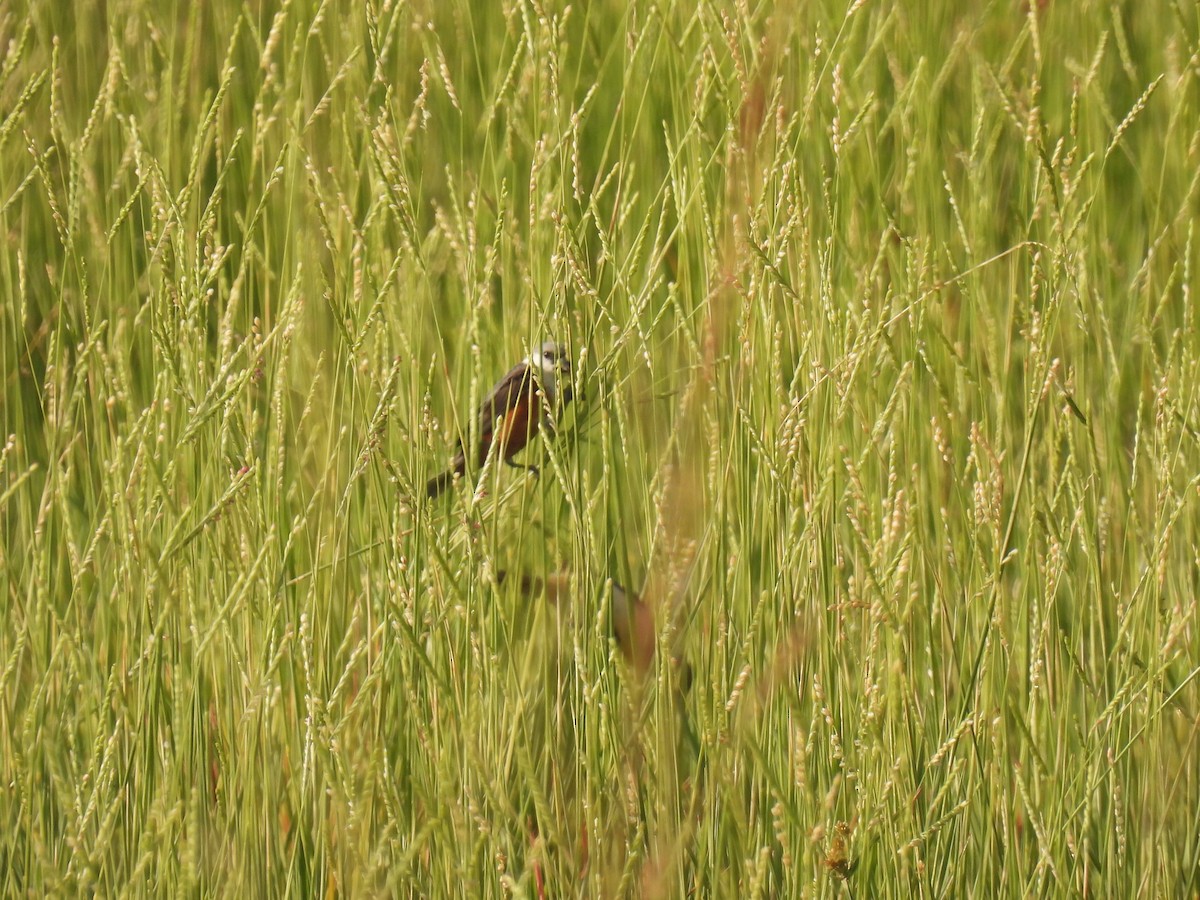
631,618
511,415
633,627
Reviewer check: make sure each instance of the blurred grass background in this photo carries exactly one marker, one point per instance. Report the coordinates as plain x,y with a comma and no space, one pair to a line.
886,342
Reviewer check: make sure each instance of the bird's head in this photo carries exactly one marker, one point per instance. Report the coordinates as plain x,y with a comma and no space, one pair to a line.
553,364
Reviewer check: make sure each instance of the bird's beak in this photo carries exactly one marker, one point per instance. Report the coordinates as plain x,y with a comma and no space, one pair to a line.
564,376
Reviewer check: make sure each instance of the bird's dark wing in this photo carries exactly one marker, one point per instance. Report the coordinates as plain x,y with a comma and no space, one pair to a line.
504,395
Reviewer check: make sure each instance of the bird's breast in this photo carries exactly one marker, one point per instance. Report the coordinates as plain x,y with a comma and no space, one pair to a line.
519,424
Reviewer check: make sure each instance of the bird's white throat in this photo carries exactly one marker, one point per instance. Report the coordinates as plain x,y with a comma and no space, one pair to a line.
548,374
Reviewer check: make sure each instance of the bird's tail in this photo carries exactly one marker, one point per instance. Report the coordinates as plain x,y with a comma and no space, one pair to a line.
434,486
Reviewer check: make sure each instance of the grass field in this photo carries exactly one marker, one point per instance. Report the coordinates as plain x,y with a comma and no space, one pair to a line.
886,345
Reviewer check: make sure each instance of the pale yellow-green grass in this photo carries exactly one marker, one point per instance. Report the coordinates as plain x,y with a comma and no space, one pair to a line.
887,353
